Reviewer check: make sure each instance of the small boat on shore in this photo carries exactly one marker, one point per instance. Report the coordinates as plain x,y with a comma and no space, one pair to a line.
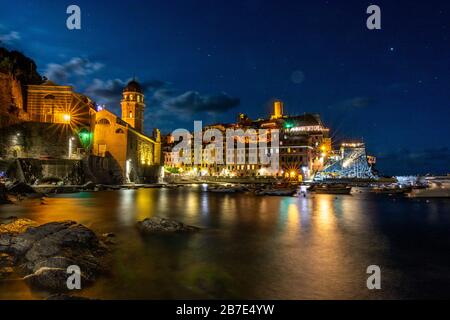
277,192
223,190
395,189
328,188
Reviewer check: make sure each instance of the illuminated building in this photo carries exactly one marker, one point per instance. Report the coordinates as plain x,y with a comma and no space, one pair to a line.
58,123
133,106
52,103
351,161
304,146
137,155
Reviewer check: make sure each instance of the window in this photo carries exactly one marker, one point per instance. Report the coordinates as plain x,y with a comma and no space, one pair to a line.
130,115
104,121
119,131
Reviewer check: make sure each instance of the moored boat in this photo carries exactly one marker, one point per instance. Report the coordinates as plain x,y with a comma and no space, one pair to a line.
436,189
277,192
327,188
392,190
223,190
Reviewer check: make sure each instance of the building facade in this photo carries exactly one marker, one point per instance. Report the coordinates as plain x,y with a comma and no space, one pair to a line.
137,155
304,146
58,123
52,103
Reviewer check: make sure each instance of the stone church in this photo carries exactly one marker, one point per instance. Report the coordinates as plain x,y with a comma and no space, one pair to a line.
56,126
123,138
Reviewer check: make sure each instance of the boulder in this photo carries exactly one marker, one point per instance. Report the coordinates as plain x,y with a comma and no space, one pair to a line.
3,197
50,279
88,186
14,225
6,265
163,225
42,253
20,188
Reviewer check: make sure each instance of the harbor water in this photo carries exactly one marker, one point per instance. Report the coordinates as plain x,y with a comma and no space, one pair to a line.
257,247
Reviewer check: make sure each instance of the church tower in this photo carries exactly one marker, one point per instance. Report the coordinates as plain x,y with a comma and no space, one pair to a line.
133,105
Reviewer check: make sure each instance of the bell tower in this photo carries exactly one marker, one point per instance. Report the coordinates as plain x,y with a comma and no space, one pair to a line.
133,105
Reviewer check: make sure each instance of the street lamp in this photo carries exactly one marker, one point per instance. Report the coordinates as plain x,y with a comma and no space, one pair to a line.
128,170
70,146
66,118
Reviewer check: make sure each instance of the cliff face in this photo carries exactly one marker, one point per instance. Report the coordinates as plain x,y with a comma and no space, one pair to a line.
16,72
11,100
10,92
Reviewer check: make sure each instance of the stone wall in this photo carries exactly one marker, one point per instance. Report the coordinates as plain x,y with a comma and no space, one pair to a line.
37,140
100,170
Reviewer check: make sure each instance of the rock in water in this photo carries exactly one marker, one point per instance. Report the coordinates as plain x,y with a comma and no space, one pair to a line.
6,265
15,225
50,279
20,188
43,253
3,197
162,225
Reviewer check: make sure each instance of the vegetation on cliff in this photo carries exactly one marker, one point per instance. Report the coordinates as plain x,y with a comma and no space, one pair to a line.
20,66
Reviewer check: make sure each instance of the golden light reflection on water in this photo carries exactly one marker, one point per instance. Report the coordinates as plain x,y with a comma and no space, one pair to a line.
126,207
293,218
325,221
145,207
268,247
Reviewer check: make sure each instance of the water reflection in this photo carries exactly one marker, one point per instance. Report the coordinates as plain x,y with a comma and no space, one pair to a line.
254,247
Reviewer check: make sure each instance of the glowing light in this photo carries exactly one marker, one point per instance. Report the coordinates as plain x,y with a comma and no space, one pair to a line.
70,147
66,118
305,128
128,169
288,125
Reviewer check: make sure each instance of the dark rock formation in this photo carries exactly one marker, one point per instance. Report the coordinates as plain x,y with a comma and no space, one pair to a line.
20,188
52,279
43,253
3,197
6,265
162,225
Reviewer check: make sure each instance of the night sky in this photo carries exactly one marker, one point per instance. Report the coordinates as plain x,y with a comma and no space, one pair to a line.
209,60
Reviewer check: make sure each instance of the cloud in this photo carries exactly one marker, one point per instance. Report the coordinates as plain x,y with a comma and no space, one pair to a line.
164,100
109,92
105,91
75,67
10,37
165,105
191,102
